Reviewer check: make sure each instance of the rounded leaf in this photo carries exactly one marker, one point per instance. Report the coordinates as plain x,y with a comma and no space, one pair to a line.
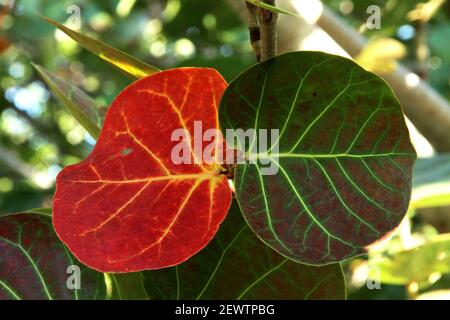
35,265
341,177
129,206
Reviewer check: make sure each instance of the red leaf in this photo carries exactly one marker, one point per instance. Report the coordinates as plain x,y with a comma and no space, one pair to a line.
128,207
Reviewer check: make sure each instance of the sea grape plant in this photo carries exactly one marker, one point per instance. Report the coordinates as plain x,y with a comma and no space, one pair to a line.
342,181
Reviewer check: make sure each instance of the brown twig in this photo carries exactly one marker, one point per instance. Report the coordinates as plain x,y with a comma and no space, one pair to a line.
421,48
254,30
268,26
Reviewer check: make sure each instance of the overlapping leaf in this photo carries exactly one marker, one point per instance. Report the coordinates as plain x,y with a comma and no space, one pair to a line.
82,107
129,206
33,262
236,265
415,265
343,169
130,65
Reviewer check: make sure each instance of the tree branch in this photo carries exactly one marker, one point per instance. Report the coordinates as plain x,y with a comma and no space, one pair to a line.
14,163
268,25
254,30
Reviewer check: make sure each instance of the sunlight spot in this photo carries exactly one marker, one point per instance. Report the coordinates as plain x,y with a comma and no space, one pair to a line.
184,47
152,28
171,10
101,21
42,179
442,256
406,32
346,7
124,7
158,48
435,276
53,171
209,21
16,70
6,184
412,80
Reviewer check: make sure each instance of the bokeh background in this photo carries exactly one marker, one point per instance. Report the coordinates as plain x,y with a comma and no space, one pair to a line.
38,136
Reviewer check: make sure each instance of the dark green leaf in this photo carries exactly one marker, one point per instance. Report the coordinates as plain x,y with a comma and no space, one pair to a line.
126,286
132,66
34,263
80,105
343,170
237,265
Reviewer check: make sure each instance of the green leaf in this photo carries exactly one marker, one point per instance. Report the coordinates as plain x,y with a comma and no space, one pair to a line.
126,286
43,211
80,105
123,61
431,182
34,263
341,178
269,7
419,264
237,265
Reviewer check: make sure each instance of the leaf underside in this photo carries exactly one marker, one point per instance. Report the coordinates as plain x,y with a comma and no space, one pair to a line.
236,265
33,262
344,163
128,206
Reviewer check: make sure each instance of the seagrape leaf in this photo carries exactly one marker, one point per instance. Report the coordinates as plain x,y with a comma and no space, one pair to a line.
341,177
237,265
34,263
123,61
82,107
128,206
415,265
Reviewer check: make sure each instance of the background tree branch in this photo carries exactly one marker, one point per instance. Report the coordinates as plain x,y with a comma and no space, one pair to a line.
254,30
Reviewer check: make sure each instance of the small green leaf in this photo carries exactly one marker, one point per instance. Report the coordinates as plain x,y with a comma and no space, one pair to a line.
237,265
126,286
431,182
269,7
34,264
420,264
132,66
80,105
341,178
